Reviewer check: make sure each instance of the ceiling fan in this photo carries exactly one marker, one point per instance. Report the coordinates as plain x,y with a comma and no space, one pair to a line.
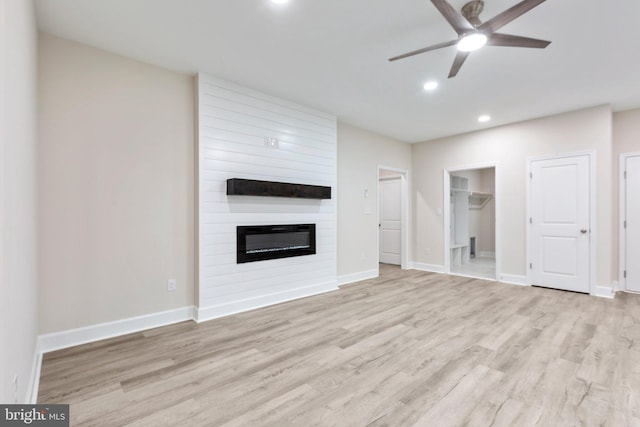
473,33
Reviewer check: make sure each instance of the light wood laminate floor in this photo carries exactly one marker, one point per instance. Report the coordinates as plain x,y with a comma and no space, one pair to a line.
409,348
480,267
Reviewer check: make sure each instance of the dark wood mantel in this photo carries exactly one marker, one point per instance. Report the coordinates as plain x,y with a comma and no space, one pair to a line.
251,187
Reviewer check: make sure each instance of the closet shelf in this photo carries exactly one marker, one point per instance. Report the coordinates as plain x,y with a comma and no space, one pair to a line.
478,200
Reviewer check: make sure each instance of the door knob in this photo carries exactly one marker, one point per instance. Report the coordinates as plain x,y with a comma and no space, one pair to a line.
583,231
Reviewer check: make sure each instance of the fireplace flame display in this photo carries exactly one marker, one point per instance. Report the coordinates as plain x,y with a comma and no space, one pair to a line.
264,242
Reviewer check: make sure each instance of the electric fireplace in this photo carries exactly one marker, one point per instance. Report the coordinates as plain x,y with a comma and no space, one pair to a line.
263,242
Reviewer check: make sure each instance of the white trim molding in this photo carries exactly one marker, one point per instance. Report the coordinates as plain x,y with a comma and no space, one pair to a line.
616,286
358,277
101,331
621,284
34,379
428,267
514,279
622,208
213,312
486,254
603,292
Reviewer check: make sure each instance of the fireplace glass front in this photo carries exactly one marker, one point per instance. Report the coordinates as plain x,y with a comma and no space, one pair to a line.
263,242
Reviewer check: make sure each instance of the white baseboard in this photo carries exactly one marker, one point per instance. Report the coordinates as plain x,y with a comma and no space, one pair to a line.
101,331
213,312
427,267
34,378
603,292
486,254
513,279
616,286
358,277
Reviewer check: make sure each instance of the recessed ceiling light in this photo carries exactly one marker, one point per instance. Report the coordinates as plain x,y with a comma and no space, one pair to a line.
430,85
471,42
484,118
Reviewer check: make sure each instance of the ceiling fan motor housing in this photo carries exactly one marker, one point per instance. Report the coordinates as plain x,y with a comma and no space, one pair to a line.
472,10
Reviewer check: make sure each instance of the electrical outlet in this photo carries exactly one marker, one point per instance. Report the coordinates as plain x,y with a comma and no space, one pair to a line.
171,285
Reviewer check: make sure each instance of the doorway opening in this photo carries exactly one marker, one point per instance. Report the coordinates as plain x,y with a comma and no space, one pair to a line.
393,216
470,222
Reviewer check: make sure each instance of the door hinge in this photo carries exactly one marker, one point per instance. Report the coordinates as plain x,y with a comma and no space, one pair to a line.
530,265
625,223
530,220
530,175
625,274
625,174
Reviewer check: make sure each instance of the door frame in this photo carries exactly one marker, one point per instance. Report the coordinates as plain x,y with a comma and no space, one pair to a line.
622,207
591,154
447,213
394,179
404,214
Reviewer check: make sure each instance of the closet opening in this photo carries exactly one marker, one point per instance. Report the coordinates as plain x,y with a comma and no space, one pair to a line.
470,222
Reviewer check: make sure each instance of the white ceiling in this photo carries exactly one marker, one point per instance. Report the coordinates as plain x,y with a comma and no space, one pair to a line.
332,55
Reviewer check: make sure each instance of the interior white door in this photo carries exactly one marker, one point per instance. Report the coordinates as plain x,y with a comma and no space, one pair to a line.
632,218
390,220
560,218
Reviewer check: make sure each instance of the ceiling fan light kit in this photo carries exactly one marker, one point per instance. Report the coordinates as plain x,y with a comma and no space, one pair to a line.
473,33
471,42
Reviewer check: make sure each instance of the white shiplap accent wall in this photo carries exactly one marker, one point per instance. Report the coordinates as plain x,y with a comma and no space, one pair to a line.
233,124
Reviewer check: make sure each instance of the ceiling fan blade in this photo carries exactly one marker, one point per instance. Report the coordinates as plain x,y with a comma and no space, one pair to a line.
497,39
455,19
424,49
457,63
509,15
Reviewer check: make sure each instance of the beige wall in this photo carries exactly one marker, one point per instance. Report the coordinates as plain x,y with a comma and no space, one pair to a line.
116,185
18,242
510,146
626,132
626,139
360,152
